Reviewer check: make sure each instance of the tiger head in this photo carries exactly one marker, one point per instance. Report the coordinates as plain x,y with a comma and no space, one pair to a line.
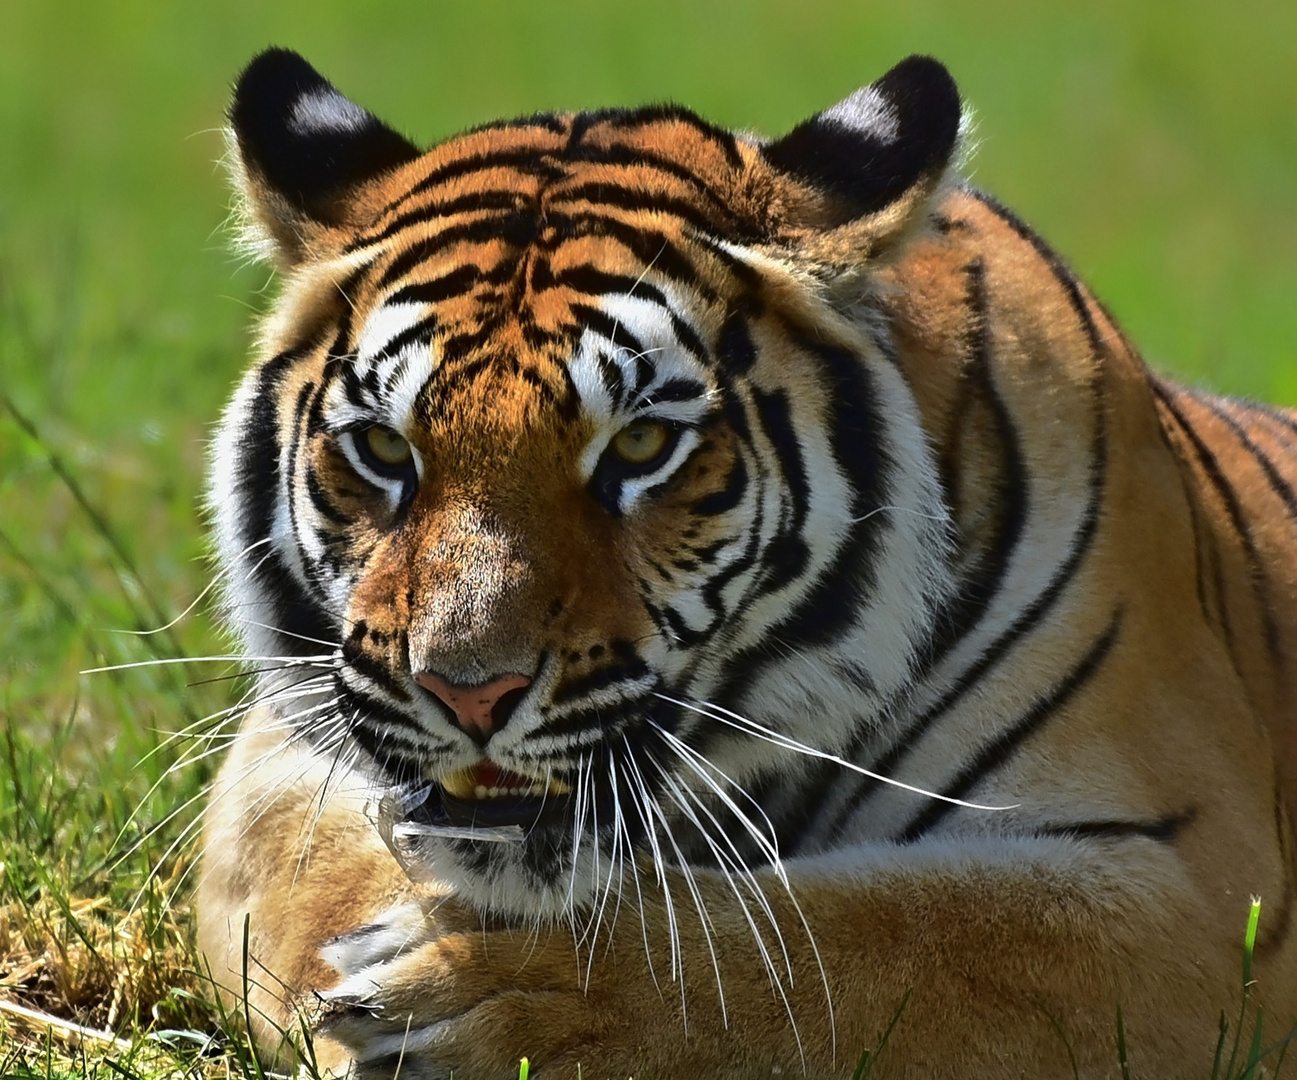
576,481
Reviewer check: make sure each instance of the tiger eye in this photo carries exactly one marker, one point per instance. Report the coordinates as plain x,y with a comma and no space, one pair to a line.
388,447
640,442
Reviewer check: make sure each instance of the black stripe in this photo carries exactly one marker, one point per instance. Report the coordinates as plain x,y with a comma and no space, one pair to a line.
564,395
1002,749
836,599
1276,934
599,679
589,279
832,603
675,390
653,114
320,499
347,289
638,200
683,635
476,202
258,489
379,726
639,157
439,289
1031,615
605,325
419,333
648,245
727,497
1220,483
546,121
258,450
981,589
1066,279
492,228
749,276
1163,830
735,348
610,374
355,656
1278,484
458,349
607,720
527,160
1284,418
786,554
307,397
1204,551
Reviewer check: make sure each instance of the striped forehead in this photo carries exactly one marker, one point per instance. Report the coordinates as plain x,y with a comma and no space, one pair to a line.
573,247
628,354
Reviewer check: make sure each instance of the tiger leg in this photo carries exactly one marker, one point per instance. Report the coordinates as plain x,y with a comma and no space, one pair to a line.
1003,958
289,861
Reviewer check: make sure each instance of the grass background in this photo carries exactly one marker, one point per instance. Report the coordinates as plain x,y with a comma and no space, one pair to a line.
1155,144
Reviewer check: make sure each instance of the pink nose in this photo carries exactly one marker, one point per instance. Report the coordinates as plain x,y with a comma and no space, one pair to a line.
474,706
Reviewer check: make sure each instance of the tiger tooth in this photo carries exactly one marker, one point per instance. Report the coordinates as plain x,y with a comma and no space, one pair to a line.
462,784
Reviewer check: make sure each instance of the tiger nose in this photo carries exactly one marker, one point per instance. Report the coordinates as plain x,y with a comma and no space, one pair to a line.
479,709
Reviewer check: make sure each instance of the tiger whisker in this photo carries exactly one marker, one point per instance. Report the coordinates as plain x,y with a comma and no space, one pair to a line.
643,802
691,883
696,761
751,727
693,759
899,510
292,634
776,982
322,795
639,893
578,830
592,927
216,579
679,790
285,662
235,713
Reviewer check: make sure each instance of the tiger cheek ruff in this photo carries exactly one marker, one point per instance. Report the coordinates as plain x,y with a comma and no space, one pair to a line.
709,592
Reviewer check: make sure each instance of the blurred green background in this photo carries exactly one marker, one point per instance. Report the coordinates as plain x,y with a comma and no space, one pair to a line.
1155,144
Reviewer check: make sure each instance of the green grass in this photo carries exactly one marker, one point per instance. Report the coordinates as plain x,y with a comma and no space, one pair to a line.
1152,143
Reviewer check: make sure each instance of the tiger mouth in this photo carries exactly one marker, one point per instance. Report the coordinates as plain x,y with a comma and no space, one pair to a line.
487,795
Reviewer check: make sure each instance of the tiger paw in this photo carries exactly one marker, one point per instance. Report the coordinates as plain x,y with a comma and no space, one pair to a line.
469,1002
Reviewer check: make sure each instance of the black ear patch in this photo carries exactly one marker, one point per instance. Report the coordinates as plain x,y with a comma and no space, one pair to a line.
303,138
872,147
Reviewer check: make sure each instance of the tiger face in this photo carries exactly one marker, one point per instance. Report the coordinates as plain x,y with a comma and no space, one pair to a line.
570,477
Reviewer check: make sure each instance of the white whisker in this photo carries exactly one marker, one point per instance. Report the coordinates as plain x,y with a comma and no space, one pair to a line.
741,723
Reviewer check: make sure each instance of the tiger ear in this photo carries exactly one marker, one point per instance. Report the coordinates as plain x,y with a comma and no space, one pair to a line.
301,149
880,151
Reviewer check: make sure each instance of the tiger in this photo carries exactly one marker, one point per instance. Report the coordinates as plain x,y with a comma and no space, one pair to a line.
721,605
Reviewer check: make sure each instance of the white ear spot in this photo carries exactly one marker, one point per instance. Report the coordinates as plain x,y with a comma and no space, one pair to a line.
319,112
867,112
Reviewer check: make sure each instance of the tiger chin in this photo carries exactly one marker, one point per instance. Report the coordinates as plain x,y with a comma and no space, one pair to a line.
711,595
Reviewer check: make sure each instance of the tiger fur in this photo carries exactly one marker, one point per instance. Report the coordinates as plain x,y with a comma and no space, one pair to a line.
937,662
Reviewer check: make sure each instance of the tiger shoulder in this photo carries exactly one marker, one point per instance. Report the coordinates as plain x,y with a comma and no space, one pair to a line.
713,597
